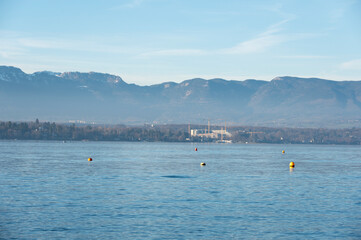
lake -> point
(49, 190)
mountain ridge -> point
(105, 98)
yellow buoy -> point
(203, 164)
(283, 152)
(292, 164)
(90, 159)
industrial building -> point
(219, 134)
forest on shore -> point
(173, 133)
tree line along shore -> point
(174, 133)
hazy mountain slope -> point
(307, 100)
(105, 98)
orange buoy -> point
(283, 151)
(292, 164)
(90, 159)
(196, 149)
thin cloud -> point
(352, 65)
(174, 52)
(134, 3)
(255, 45)
(43, 43)
(341, 11)
(305, 57)
(259, 44)
(272, 37)
(262, 42)
(277, 9)
(130, 4)
(275, 28)
(17, 45)
(9, 51)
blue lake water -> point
(49, 190)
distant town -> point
(37, 130)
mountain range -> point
(104, 98)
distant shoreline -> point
(193, 143)
(176, 133)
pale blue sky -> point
(152, 41)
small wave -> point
(176, 176)
(55, 229)
(60, 229)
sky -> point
(153, 41)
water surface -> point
(48, 190)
